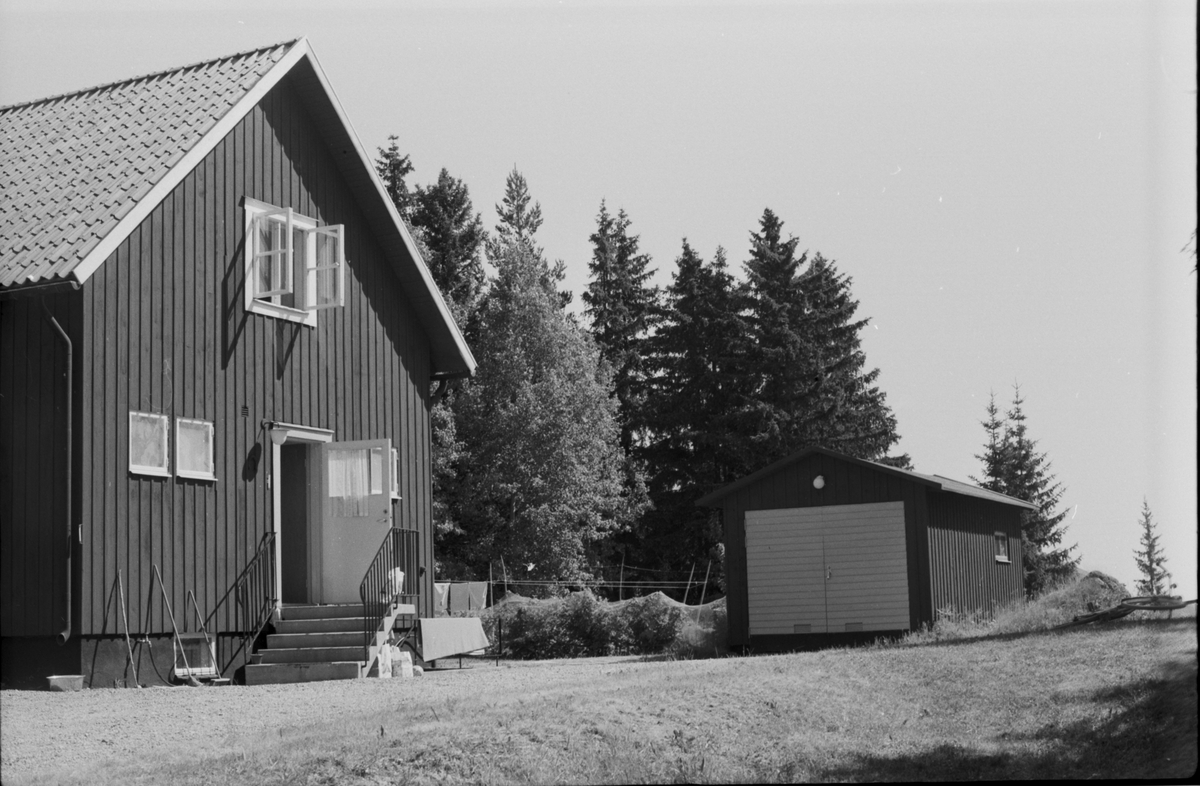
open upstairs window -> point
(294, 267)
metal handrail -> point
(383, 587)
(253, 593)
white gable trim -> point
(190, 160)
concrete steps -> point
(313, 643)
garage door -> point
(831, 569)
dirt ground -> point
(42, 732)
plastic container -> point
(402, 665)
(65, 682)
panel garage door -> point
(828, 569)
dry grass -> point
(1115, 701)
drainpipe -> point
(65, 633)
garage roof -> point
(936, 482)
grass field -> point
(1116, 700)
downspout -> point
(65, 633)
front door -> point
(356, 513)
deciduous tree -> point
(540, 480)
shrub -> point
(581, 625)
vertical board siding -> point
(965, 576)
(846, 483)
(166, 332)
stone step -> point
(348, 638)
(334, 611)
(331, 625)
(280, 673)
(311, 654)
(328, 611)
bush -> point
(581, 625)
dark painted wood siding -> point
(167, 333)
(33, 462)
(845, 484)
(965, 575)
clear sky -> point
(1010, 184)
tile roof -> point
(72, 166)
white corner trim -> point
(381, 190)
(185, 165)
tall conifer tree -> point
(1014, 466)
(622, 305)
(696, 385)
(1151, 561)
(810, 386)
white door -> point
(833, 569)
(356, 514)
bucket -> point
(402, 665)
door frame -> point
(282, 434)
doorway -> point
(294, 523)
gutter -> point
(65, 633)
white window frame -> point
(302, 286)
(189, 473)
(165, 422)
(999, 538)
(395, 474)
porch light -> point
(819, 482)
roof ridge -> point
(151, 75)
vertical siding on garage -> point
(830, 568)
(167, 333)
(965, 576)
(845, 483)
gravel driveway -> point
(42, 732)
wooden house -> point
(822, 548)
(219, 347)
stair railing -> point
(391, 579)
(253, 597)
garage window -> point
(1002, 548)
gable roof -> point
(79, 172)
(935, 482)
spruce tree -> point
(621, 305)
(1013, 466)
(1151, 561)
(519, 222)
(393, 168)
(809, 383)
(695, 386)
(453, 236)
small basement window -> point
(294, 267)
(148, 444)
(194, 449)
(1002, 548)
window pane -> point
(147, 440)
(268, 242)
(349, 480)
(325, 276)
(376, 470)
(194, 448)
